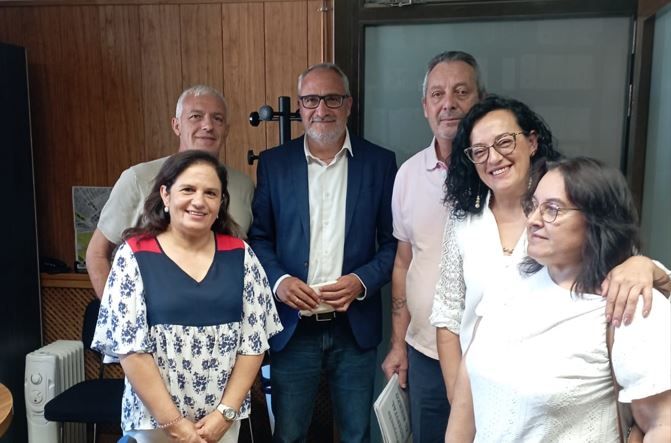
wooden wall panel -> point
(82, 102)
(104, 79)
(244, 80)
(286, 57)
(160, 38)
(78, 131)
(122, 90)
(314, 31)
(201, 45)
(53, 207)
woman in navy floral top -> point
(187, 309)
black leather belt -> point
(321, 317)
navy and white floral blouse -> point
(194, 330)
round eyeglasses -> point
(504, 144)
(549, 211)
(332, 101)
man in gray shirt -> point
(201, 122)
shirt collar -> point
(431, 161)
(346, 146)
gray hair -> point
(455, 56)
(326, 66)
(196, 91)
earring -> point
(529, 184)
(165, 209)
(477, 201)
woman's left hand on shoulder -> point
(213, 426)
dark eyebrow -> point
(556, 201)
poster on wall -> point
(87, 203)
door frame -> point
(640, 101)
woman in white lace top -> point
(539, 365)
(498, 154)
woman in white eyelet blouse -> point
(538, 366)
(498, 154)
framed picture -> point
(87, 202)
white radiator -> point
(51, 370)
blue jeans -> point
(429, 408)
(295, 373)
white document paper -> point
(393, 413)
(323, 307)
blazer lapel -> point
(354, 175)
(300, 190)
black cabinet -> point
(20, 328)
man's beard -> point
(328, 136)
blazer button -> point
(305, 264)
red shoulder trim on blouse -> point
(228, 243)
(143, 244)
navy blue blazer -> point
(280, 232)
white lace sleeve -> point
(449, 298)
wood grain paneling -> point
(201, 45)
(314, 15)
(53, 207)
(77, 126)
(160, 37)
(122, 90)
(286, 57)
(127, 2)
(84, 124)
(105, 76)
(244, 80)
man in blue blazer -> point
(323, 232)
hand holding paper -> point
(393, 413)
(340, 294)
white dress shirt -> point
(327, 186)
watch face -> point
(229, 413)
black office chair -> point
(91, 401)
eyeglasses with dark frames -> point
(549, 210)
(332, 101)
(504, 144)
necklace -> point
(507, 251)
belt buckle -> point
(325, 316)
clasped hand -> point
(297, 294)
(212, 427)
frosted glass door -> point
(573, 72)
(656, 214)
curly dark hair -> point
(463, 184)
(155, 221)
(603, 197)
